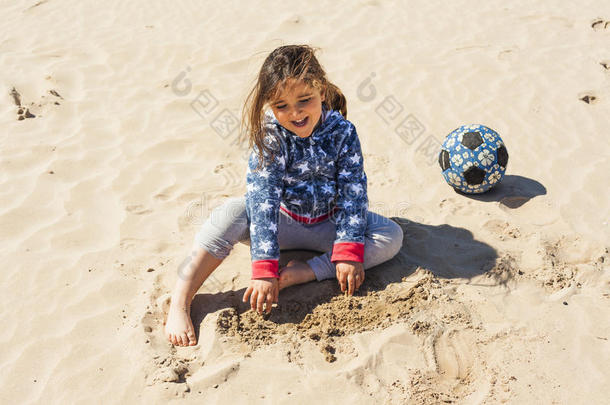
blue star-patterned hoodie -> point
(311, 179)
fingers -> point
(350, 277)
(259, 303)
(350, 284)
(272, 294)
(342, 281)
(359, 279)
(253, 299)
(247, 294)
(269, 302)
(262, 294)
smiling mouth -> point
(300, 123)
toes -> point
(192, 338)
(184, 340)
(181, 339)
(177, 340)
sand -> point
(119, 139)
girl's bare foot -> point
(179, 327)
(295, 272)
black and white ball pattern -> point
(473, 158)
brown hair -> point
(284, 63)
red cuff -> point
(352, 251)
(265, 269)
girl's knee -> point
(386, 233)
(226, 225)
(395, 235)
(384, 243)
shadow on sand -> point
(447, 251)
(512, 192)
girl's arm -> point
(263, 196)
(352, 201)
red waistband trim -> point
(307, 220)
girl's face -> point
(298, 107)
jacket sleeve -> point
(263, 196)
(352, 201)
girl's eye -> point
(304, 101)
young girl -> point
(306, 189)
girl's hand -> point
(262, 291)
(350, 274)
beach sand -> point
(120, 138)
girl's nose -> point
(294, 113)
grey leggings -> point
(229, 224)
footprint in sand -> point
(149, 322)
(24, 112)
(451, 360)
(452, 355)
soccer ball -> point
(473, 158)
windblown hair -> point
(285, 63)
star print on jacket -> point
(311, 179)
